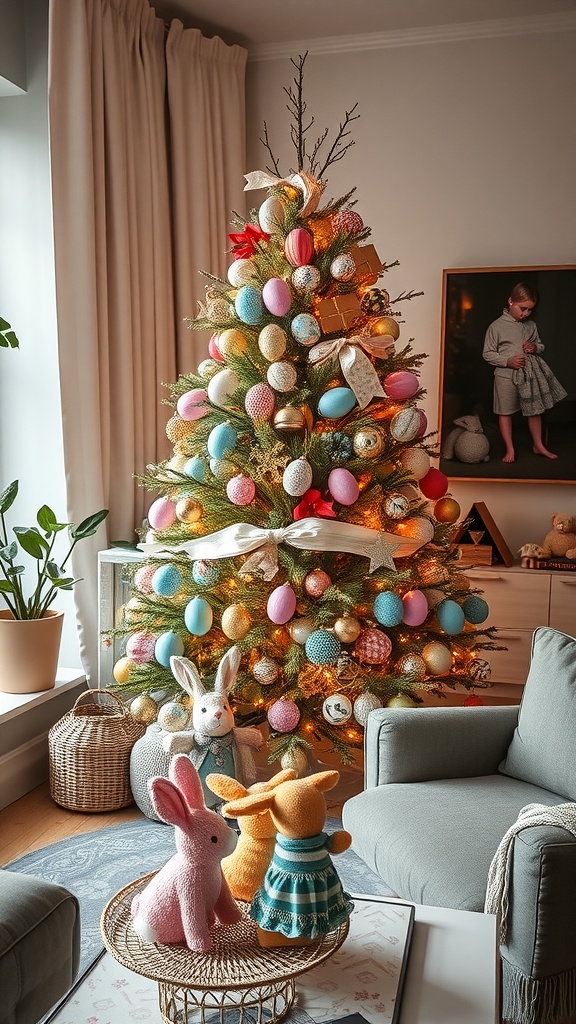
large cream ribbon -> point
(310, 188)
(308, 534)
(355, 365)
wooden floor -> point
(35, 821)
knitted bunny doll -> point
(301, 896)
(244, 869)
(183, 899)
(214, 743)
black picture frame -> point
(472, 298)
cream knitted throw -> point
(561, 815)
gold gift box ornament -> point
(340, 312)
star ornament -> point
(244, 242)
(381, 553)
(313, 504)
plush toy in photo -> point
(213, 741)
(244, 869)
(467, 442)
(301, 896)
(184, 898)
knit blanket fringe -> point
(560, 815)
(537, 1001)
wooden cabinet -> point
(520, 600)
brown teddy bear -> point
(561, 540)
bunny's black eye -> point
(203, 711)
(213, 839)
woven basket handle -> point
(100, 693)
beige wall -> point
(464, 156)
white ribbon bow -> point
(310, 188)
(356, 367)
(308, 534)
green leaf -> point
(6, 587)
(88, 527)
(66, 583)
(31, 541)
(47, 520)
(8, 554)
(9, 340)
(8, 496)
(4, 325)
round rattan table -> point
(236, 982)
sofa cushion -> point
(542, 748)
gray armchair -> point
(444, 785)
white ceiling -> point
(258, 23)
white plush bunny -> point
(214, 743)
(183, 899)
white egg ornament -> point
(272, 342)
(343, 267)
(337, 709)
(222, 385)
(306, 279)
(297, 478)
(305, 329)
(276, 296)
(271, 215)
(343, 486)
(281, 604)
(241, 272)
(282, 376)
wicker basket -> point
(89, 752)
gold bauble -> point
(178, 429)
(122, 670)
(437, 658)
(231, 342)
(412, 666)
(385, 325)
(188, 510)
(144, 708)
(289, 420)
(295, 759)
(431, 572)
(368, 443)
(236, 621)
(308, 417)
(447, 509)
(400, 701)
(347, 629)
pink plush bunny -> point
(184, 898)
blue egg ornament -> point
(222, 440)
(450, 616)
(322, 647)
(336, 403)
(305, 329)
(198, 616)
(475, 609)
(196, 468)
(167, 580)
(167, 645)
(248, 304)
(388, 608)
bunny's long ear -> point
(183, 774)
(225, 786)
(227, 670)
(324, 780)
(168, 802)
(251, 804)
(187, 675)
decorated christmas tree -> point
(300, 517)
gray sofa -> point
(443, 786)
(39, 946)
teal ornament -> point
(450, 616)
(198, 616)
(305, 329)
(388, 608)
(222, 440)
(322, 647)
(205, 574)
(196, 467)
(475, 609)
(166, 581)
(336, 403)
(167, 645)
(339, 445)
(248, 304)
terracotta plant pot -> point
(29, 650)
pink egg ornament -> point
(281, 604)
(259, 402)
(414, 608)
(140, 647)
(161, 514)
(191, 405)
(343, 486)
(401, 384)
(213, 350)
(277, 296)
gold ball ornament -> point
(272, 342)
(294, 759)
(437, 658)
(368, 443)
(122, 670)
(430, 572)
(289, 420)
(385, 325)
(178, 429)
(447, 509)
(415, 461)
(232, 342)
(412, 666)
(236, 621)
(188, 510)
(400, 701)
(144, 708)
(347, 629)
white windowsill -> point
(13, 704)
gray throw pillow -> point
(543, 747)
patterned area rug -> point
(96, 865)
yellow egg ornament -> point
(236, 621)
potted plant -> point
(28, 621)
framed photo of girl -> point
(507, 403)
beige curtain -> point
(147, 154)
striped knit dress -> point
(301, 893)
